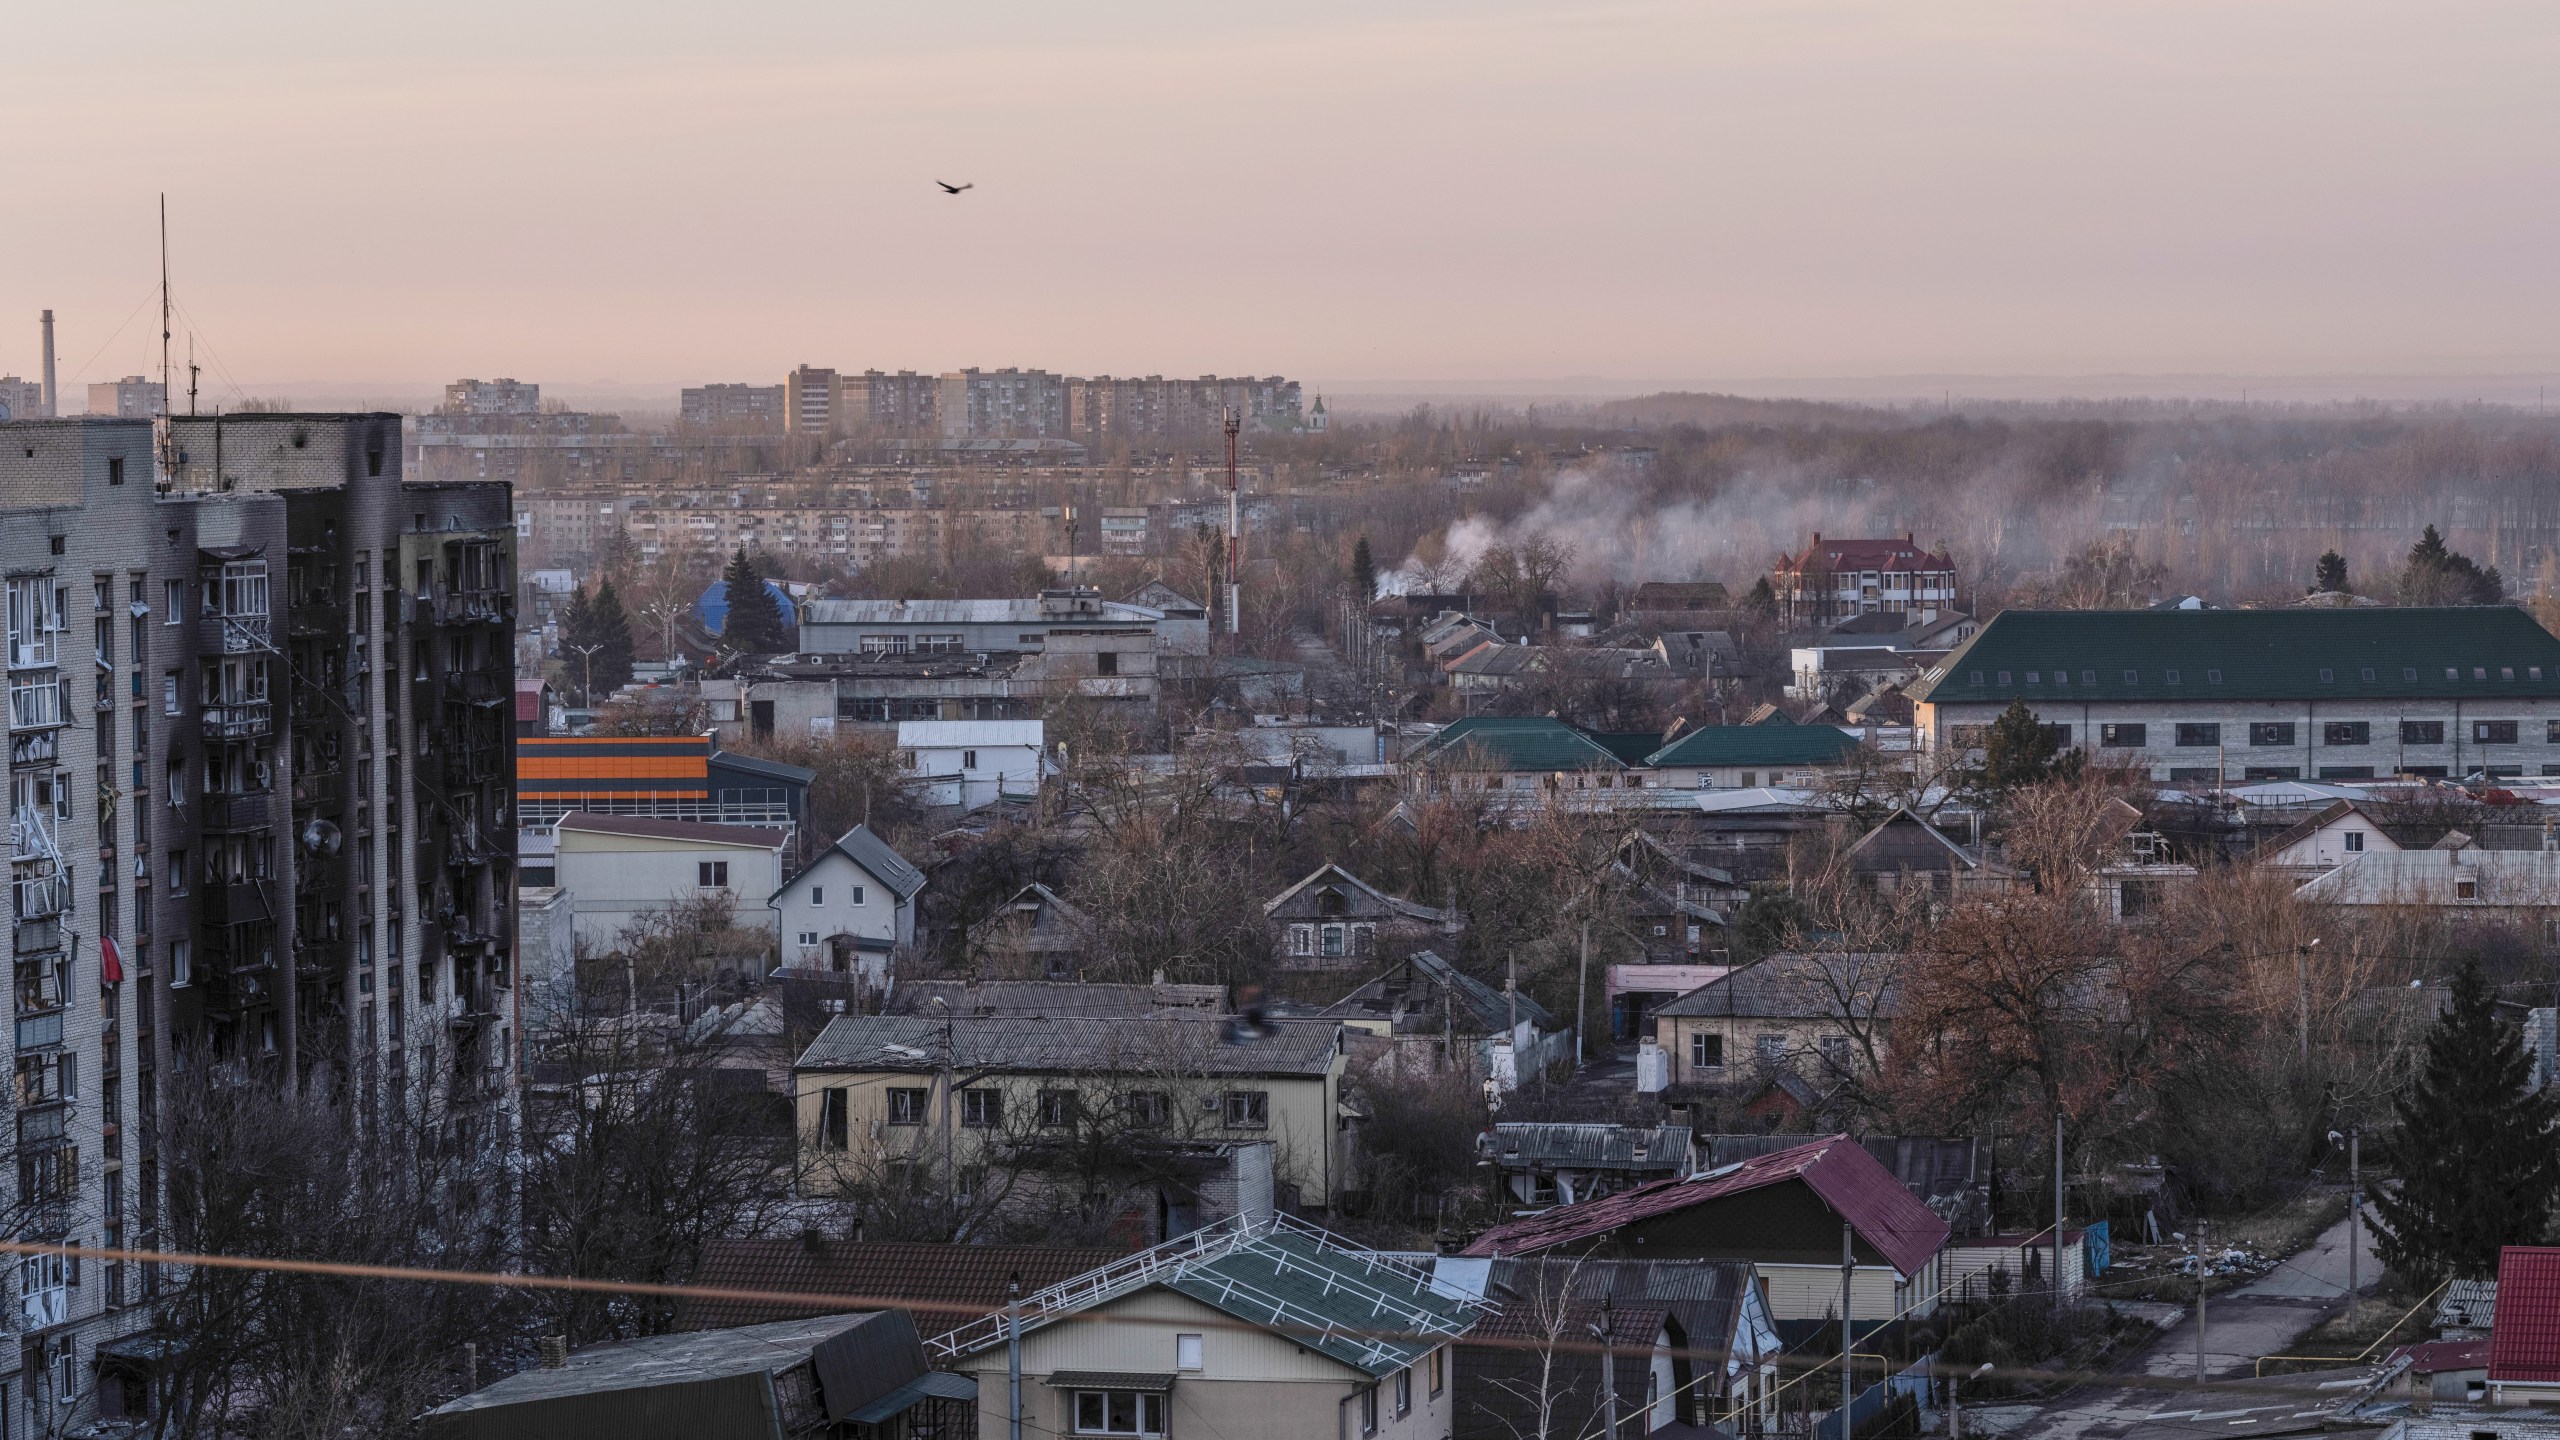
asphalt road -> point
(2264, 1317)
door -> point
(760, 719)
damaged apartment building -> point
(260, 829)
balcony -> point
(315, 958)
(237, 719)
(234, 811)
(29, 938)
(35, 704)
(36, 747)
(234, 635)
(466, 607)
(315, 620)
(240, 902)
(323, 788)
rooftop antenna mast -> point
(1235, 535)
(168, 450)
(191, 374)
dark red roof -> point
(944, 1285)
(2524, 1339)
(1838, 555)
(2434, 1356)
(1836, 1168)
(529, 700)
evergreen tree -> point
(2437, 574)
(1762, 598)
(613, 632)
(2478, 1168)
(2330, 575)
(577, 629)
(2018, 750)
(1364, 571)
(754, 626)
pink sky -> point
(1352, 193)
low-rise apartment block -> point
(2225, 696)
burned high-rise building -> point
(262, 829)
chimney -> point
(52, 400)
(1817, 537)
(555, 1352)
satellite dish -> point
(321, 838)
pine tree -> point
(2018, 750)
(613, 632)
(2330, 575)
(578, 628)
(754, 626)
(1364, 572)
(2437, 574)
(2477, 1164)
(1762, 598)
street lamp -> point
(587, 689)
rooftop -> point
(925, 1278)
(2206, 656)
(1839, 1172)
(2524, 1338)
(701, 832)
(1518, 743)
(1792, 985)
(1068, 1045)
(1714, 745)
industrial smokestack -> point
(52, 399)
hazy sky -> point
(646, 191)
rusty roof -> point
(1836, 1168)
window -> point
(1773, 1049)
(2493, 732)
(1334, 937)
(809, 937)
(1248, 1109)
(817, 897)
(173, 601)
(181, 964)
(2122, 737)
(1057, 1109)
(1835, 1053)
(168, 692)
(981, 1109)
(1106, 662)
(857, 896)
(2354, 841)
(2422, 732)
(906, 1106)
(2004, 677)
(835, 1125)
(2551, 732)
(177, 872)
(1302, 939)
(2346, 732)
(2204, 736)
(1186, 1352)
(1149, 1109)
(2368, 674)
(1369, 1410)
(968, 759)
(1404, 1392)
(1706, 1052)
(2328, 676)
(2169, 675)
(2060, 735)
(1977, 677)
(115, 469)
(711, 874)
(1438, 1371)
(1131, 1412)
(2271, 732)
(2466, 889)
(2133, 677)
(2213, 677)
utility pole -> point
(587, 690)
(2355, 1217)
(1608, 1371)
(1848, 1365)
(2199, 1303)
(1013, 1354)
(1235, 536)
(1582, 993)
(2057, 1210)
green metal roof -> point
(1529, 742)
(1628, 745)
(1348, 1305)
(1712, 745)
(2470, 652)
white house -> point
(618, 868)
(2326, 841)
(850, 910)
(972, 763)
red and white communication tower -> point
(1235, 532)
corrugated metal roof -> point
(1609, 1147)
(943, 1285)
(922, 734)
(2471, 652)
(1069, 1045)
(1795, 986)
(1711, 745)
(2433, 877)
(1836, 1169)
(2524, 1340)
(1373, 1312)
(1518, 743)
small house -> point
(1334, 918)
(850, 909)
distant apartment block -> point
(21, 399)
(131, 398)
(902, 404)
(1102, 409)
(492, 397)
(734, 407)
(811, 397)
(1005, 404)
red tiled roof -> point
(945, 1285)
(2524, 1339)
(1836, 1169)
(1839, 555)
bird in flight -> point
(950, 189)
